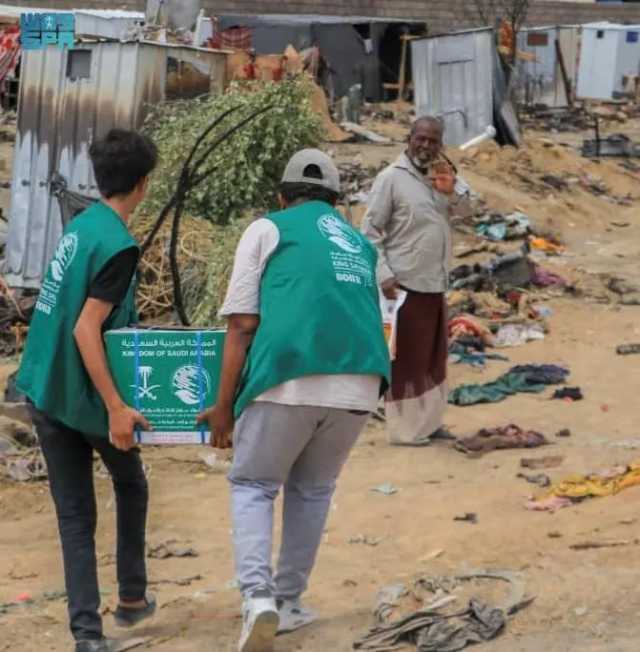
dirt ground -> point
(585, 601)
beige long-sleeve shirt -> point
(408, 222)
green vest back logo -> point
(190, 382)
(64, 255)
(337, 231)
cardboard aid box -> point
(170, 376)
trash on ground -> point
(183, 581)
(628, 349)
(544, 278)
(565, 432)
(423, 615)
(576, 488)
(548, 462)
(366, 134)
(23, 465)
(170, 549)
(546, 246)
(507, 227)
(596, 545)
(490, 439)
(518, 334)
(541, 479)
(366, 540)
(469, 517)
(568, 393)
(215, 463)
(387, 489)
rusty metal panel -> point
(67, 99)
(58, 116)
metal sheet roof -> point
(610, 26)
(306, 19)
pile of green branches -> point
(248, 166)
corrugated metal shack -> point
(453, 78)
(608, 53)
(68, 98)
(358, 49)
(540, 81)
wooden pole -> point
(565, 76)
(402, 81)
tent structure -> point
(358, 50)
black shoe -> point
(95, 645)
(131, 617)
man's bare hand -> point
(221, 422)
(390, 289)
(122, 424)
(444, 183)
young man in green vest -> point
(304, 362)
(89, 288)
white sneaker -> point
(293, 616)
(259, 623)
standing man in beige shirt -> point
(408, 222)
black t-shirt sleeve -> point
(112, 282)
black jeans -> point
(69, 457)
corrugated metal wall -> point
(58, 117)
(540, 81)
(453, 78)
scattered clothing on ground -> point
(466, 325)
(520, 379)
(544, 278)
(518, 334)
(504, 227)
(571, 393)
(430, 625)
(462, 354)
(490, 439)
(595, 485)
(546, 246)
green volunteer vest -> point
(319, 306)
(52, 373)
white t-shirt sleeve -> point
(256, 246)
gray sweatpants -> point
(304, 449)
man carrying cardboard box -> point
(90, 288)
(303, 365)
